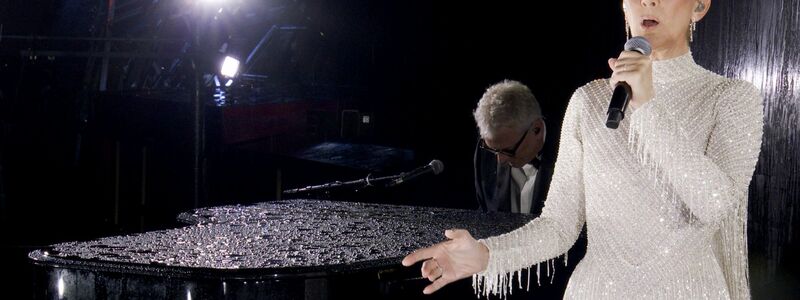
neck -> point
(669, 52)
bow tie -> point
(536, 163)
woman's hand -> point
(637, 70)
(448, 261)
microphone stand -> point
(385, 181)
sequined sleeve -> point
(711, 182)
(556, 229)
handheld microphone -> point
(622, 91)
(436, 166)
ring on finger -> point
(441, 270)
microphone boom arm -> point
(435, 167)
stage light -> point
(229, 67)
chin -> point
(651, 37)
(657, 41)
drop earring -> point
(693, 25)
(625, 16)
(627, 30)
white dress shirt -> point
(524, 178)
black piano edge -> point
(395, 271)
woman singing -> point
(663, 197)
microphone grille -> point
(437, 166)
(640, 44)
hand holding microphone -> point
(632, 79)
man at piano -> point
(514, 163)
(513, 160)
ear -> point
(700, 10)
(537, 127)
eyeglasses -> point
(510, 152)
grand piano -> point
(289, 249)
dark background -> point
(417, 68)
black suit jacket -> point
(493, 182)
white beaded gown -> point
(663, 197)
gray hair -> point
(506, 104)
